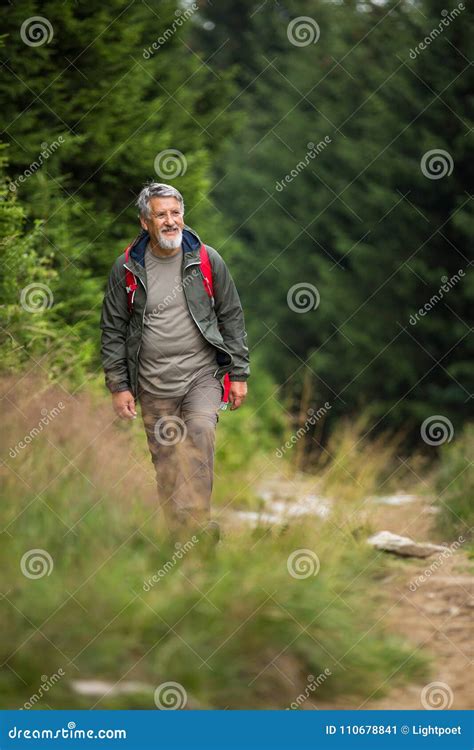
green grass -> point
(454, 485)
(236, 630)
(246, 438)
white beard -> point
(170, 243)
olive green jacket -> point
(220, 319)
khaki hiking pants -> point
(181, 438)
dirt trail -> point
(430, 603)
(433, 608)
(436, 617)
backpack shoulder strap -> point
(206, 269)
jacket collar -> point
(190, 246)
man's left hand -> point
(237, 394)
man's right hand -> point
(124, 405)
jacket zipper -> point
(143, 316)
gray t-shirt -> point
(173, 351)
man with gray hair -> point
(173, 327)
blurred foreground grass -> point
(241, 630)
(454, 483)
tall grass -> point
(237, 630)
(245, 439)
(454, 485)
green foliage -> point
(24, 333)
(41, 323)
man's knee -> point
(201, 433)
(204, 423)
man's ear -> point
(143, 223)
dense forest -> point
(326, 160)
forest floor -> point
(433, 613)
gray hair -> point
(157, 190)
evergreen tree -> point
(119, 85)
(360, 221)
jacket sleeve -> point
(230, 316)
(114, 325)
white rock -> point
(401, 498)
(279, 512)
(403, 545)
(101, 687)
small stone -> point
(102, 687)
(401, 498)
(403, 545)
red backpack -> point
(131, 285)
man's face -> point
(165, 222)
